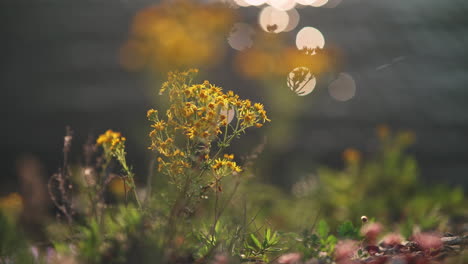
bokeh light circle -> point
(305, 2)
(241, 3)
(240, 37)
(293, 20)
(283, 5)
(255, 2)
(273, 20)
(228, 113)
(318, 3)
(301, 81)
(309, 37)
(343, 88)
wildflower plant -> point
(113, 144)
(199, 125)
(195, 219)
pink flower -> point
(289, 258)
(345, 250)
(392, 239)
(371, 231)
(220, 259)
(428, 241)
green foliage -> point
(206, 205)
(13, 245)
(385, 186)
(260, 249)
(318, 244)
(347, 230)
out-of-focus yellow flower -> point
(229, 156)
(177, 34)
(407, 137)
(383, 131)
(11, 203)
(224, 166)
(117, 187)
(110, 138)
(271, 56)
(351, 155)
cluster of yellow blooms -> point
(12, 203)
(198, 116)
(177, 34)
(113, 144)
(110, 139)
(272, 56)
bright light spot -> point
(240, 37)
(309, 37)
(333, 3)
(282, 4)
(301, 81)
(255, 2)
(228, 113)
(273, 20)
(319, 3)
(241, 3)
(305, 2)
(293, 20)
(343, 88)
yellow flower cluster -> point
(272, 56)
(199, 115)
(177, 34)
(225, 165)
(352, 155)
(110, 139)
(12, 203)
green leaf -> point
(255, 241)
(323, 229)
(274, 239)
(267, 234)
(347, 230)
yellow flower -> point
(151, 112)
(227, 156)
(351, 155)
(110, 139)
(258, 106)
(117, 186)
(383, 131)
(159, 126)
(12, 203)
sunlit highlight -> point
(284, 5)
(293, 20)
(343, 88)
(305, 2)
(273, 20)
(240, 37)
(255, 2)
(301, 81)
(318, 3)
(310, 38)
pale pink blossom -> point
(428, 241)
(371, 231)
(220, 259)
(345, 250)
(290, 258)
(392, 239)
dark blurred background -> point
(409, 59)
